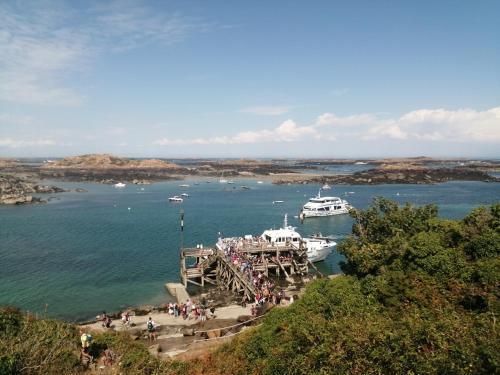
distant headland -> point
(18, 178)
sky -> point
(312, 79)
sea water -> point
(109, 248)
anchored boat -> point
(324, 206)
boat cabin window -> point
(295, 239)
(268, 238)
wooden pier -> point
(218, 267)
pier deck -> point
(226, 268)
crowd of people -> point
(265, 288)
(190, 310)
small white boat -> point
(230, 182)
(175, 199)
(361, 163)
(119, 185)
(274, 202)
(326, 187)
(185, 195)
(183, 185)
(260, 182)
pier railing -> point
(211, 265)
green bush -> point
(419, 296)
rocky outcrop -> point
(15, 190)
(413, 175)
(109, 169)
(7, 162)
(106, 161)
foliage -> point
(36, 346)
(419, 296)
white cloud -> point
(41, 44)
(266, 110)
(386, 129)
(425, 125)
(288, 131)
(354, 120)
(462, 125)
(133, 24)
(23, 143)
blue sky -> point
(250, 79)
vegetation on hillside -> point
(420, 295)
(44, 346)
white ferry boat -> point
(317, 249)
(324, 206)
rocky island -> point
(109, 169)
(398, 173)
(16, 190)
(104, 168)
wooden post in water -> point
(183, 258)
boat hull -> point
(325, 213)
(319, 255)
(318, 249)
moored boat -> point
(317, 248)
(324, 206)
(175, 199)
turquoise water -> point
(86, 252)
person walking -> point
(151, 328)
(86, 340)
